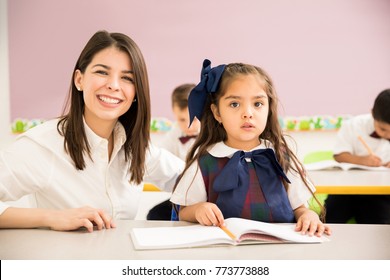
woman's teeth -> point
(109, 100)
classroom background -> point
(326, 56)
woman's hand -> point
(72, 219)
(309, 222)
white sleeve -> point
(191, 188)
(25, 168)
(162, 168)
(344, 139)
(298, 193)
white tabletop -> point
(349, 241)
(351, 182)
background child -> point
(181, 137)
(236, 166)
(374, 128)
(178, 141)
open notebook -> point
(332, 164)
(239, 231)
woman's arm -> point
(162, 168)
(70, 219)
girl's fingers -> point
(320, 229)
(220, 218)
(213, 220)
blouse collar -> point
(220, 149)
(95, 140)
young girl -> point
(240, 164)
(87, 167)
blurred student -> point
(178, 140)
(241, 165)
(87, 167)
(374, 129)
(182, 136)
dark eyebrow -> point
(262, 96)
(107, 67)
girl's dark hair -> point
(380, 111)
(136, 121)
(212, 132)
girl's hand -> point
(208, 214)
(72, 219)
(309, 222)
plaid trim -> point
(255, 207)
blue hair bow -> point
(209, 82)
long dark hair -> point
(212, 132)
(136, 119)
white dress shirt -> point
(36, 163)
(191, 188)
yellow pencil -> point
(365, 145)
(228, 232)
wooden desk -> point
(348, 242)
(351, 182)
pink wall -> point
(325, 56)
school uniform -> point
(36, 163)
(201, 183)
(366, 209)
(176, 142)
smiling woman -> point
(108, 89)
(87, 167)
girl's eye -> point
(234, 104)
(258, 104)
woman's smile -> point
(107, 100)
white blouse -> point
(191, 188)
(36, 163)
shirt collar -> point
(375, 135)
(220, 149)
(95, 140)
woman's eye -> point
(127, 78)
(234, 104)
(101, 72)
(258, 104)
